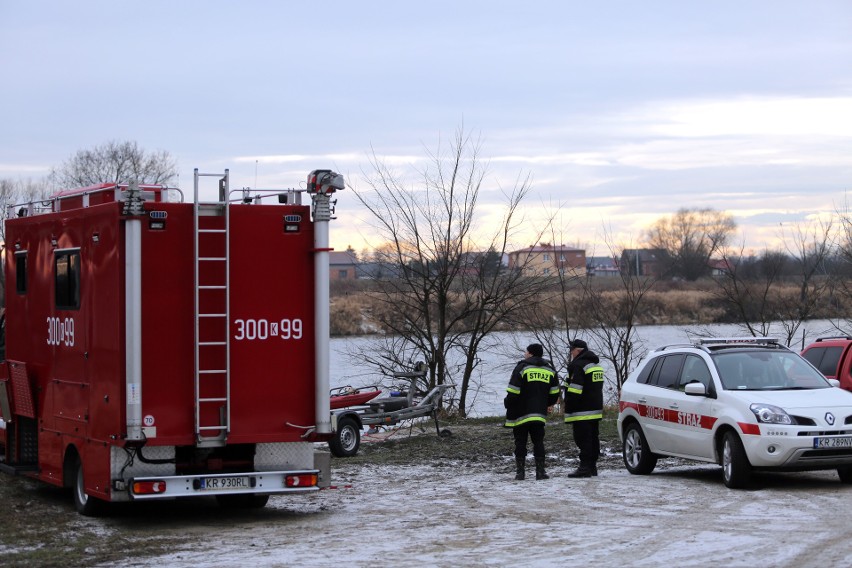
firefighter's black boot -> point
(539, 469)
(519, 469)
(585, 470)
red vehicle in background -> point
(161, 349)
(833, 357)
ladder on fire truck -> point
(212, 315)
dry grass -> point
(679, 307)
(359, 308)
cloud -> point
(23, 169)
(578, 159)
(820, 116)
(342, 158)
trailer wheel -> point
(346, 439)
(85, 505)
(242, 501)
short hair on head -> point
(535, 349)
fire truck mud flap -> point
(256, 482)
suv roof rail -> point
(673, 346)
(833, 338)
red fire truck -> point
(157, 348)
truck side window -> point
(814, 355)
(830, 361)
(825, 359)
(21, 272)
(67, 279)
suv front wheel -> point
(736, 469)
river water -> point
(506, 348)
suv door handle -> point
(673, 406)
(642, 400)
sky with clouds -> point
(621, 112)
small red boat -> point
(341, 397)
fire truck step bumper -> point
(256, 482)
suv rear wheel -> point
(638, 458)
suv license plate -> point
(839, 442)
(226, 483)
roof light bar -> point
(734, 340)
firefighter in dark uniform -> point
(584, 405)
(533, 387)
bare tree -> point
(842, 283)
(691, 237)
(447, 297)
(811, 246)
(611, 316)
(552, 318)
(758, 290)
(115, 162)
(13, 192)
(749, 286)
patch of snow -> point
(453, 515)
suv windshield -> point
(766, 370)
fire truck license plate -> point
(234, 483)
(844, 442)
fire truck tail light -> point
(303, 480)
(149, 487)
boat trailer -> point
(352, 409)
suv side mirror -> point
(695, 389)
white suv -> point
(744, 403)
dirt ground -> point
(401, 504)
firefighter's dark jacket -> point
(533, 387)
(584, 388)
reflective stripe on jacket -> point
(533, 387)
(584, 388)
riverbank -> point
(358, 307)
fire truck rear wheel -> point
(85, 505)
(346, 439)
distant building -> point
(378, 270)
(720, 267)
(549, 260)
(487, 263)
(342, 265)
(602, 266)
(645, 262)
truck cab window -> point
(67, 279)
(21, 272)
(826, 359)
